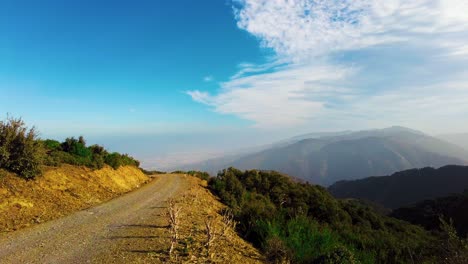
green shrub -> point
(453, 248)
(276, 251)
(20, 151)
(51, 145)
(338, 255)
(115, 160)
(99, 154)
(152, 172)
(199, 174)
(76, 147)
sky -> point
(178, 81)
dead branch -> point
(173, 212)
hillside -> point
(427, 213)
(43, 179)
(456, 139)
(294, 222)
(60, 191)
(405, 187)
(328, 158)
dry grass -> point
(173, 212)
(60, 191)
(206, 230)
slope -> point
(405, 187)
(60, 191)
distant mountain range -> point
(324, 158)
(456, 139)
(406, 187)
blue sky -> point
(109, 64)
(176, 81)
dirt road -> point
(127, 229)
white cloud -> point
(208, 78)
(345, 62)
(303, 28)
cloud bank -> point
(345, 64)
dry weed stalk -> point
(194, 199)
(228, 222)
(173, 212)
(211, 235)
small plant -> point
(211, 236)
(454, 249)
(339, 254)
(173, 212)
(228, 223)
(276, 251)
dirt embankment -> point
(60, 191)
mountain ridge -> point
(406, 187)
(346, 155)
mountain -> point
(327, 158)
(406, 187)
(460, 140)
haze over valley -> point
(325, 158)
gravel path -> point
(127, 229)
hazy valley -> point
(327, 158)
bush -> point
(199, 174)
(453, 248)
(276, 251)
(115, 160)
(51, 145)
(20, 152)
(76, 147)
(152, 172)
(338, 255)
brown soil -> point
(60, 191)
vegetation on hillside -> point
(152, 172)
(74, 151)
(199, 174)
(303, 223)
(23, 153)
(405, 188)
(428, 213)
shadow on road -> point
(136, 237)
(142, 226)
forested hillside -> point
(405, 187)
(303, 223)
(428, 213)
